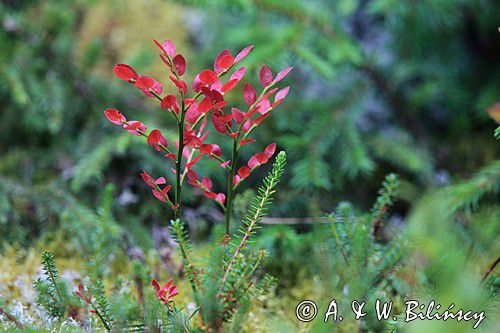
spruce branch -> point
(258, 208)
(101, 306)
(332, 219)
(384, 200)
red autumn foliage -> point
(191, 114)
(165, 293)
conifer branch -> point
(259, 207)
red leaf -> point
(133, 127)
(223, 61)
(282, 74)
(260, 119)
(185, 152)
(160, 181)
(211, 148)
(265, 76)
(208, 77)
(239, 74)
(166, 188)
(226, 118)
(207, 183)
(258, 159)
(249, 94)
(79, 294)
(169, 48)
(205, 105)
(226, 61)
(270, 92)
(217, 68)
(247, 125)
(156, 285)
(229, 85)
(125, 72)
(243, 53)
(238, 115)
(155, 139)
(159, 45)
(179, 64)
(236, 180)
(192, 176)
(193, 162)
(148, 179)
(168, 101)
(114, 116)
(192, 113)
(244, 142)
(159, 196)
(244, 172)
(216, 96)
(210, 195)
(181, 85)
(219, 125)
(270, 150)
(251, 112)
(145, 82)
(282, 94)
(220, 198)
(220, 105)
(197, 84)
(191, 140)
(263, 106)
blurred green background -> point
(379, 86)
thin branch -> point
(490, 269)
(11, 318)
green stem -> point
(234, 156)
(230, 187)
(178, 188)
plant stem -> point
(230, 187)
(490, 269)
(178, 188)
(251, 224)
(10, 317)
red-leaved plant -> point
(191, 107)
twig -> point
(490, 269)
(11, 318)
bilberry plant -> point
(191, 113)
